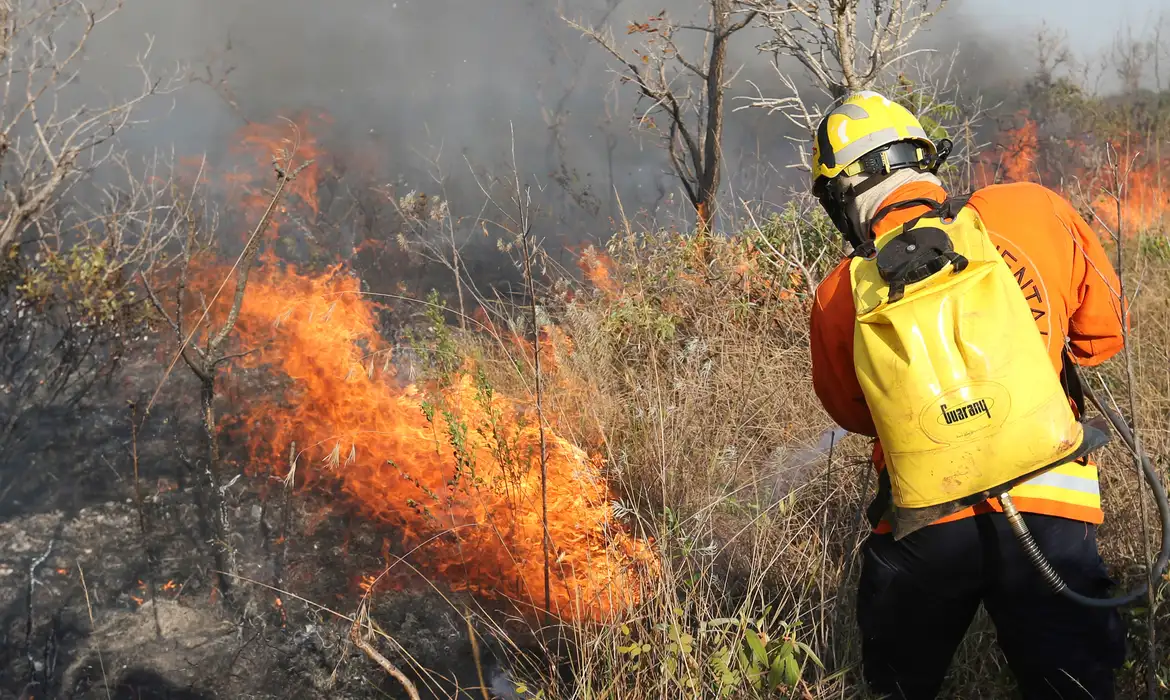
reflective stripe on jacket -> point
(1069, 284)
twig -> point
(525, 246)
(1120, 178)
(142, 530)
(282, 553)
(93, 627)
(475, 653)
(355, 636)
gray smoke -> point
(403, 79)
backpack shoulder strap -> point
(951, 208)
(1070, 379)
(947, 209)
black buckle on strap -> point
(915, 255)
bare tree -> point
(1131, 57)
(689, 94)
(844, 45)
(69, 248)
(48, 141)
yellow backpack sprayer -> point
(959, 382)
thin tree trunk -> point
(456, 264)
(143, 529)
(710, 173)
(221, 530)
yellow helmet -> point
(864, 122)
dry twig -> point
(355, 635)
(92, 626)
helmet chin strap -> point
(840, 203)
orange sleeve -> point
(1095, 313)
(831, 343)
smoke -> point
(404, 78)
(485, 84)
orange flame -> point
(463, 487)
(1021, 150)
(455, 474)
(597, 267)
(1145, 202)
(266, 142)
(139, 600)
(251, 186)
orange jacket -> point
(1058, 260)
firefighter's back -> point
(1051, 251)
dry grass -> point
(695, 385)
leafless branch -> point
(688, 93)
(48, 140)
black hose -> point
(1016, 520)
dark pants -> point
(918, 596)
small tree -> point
(68, 313)
(70, 310)
(688, 94)
(205, 359)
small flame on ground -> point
(139, 599)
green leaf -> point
(786, 650)
(808, 653)
(776, 672)
(791, 672)
(757, 647)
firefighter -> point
(918, 595)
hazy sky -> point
(1090, 24)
